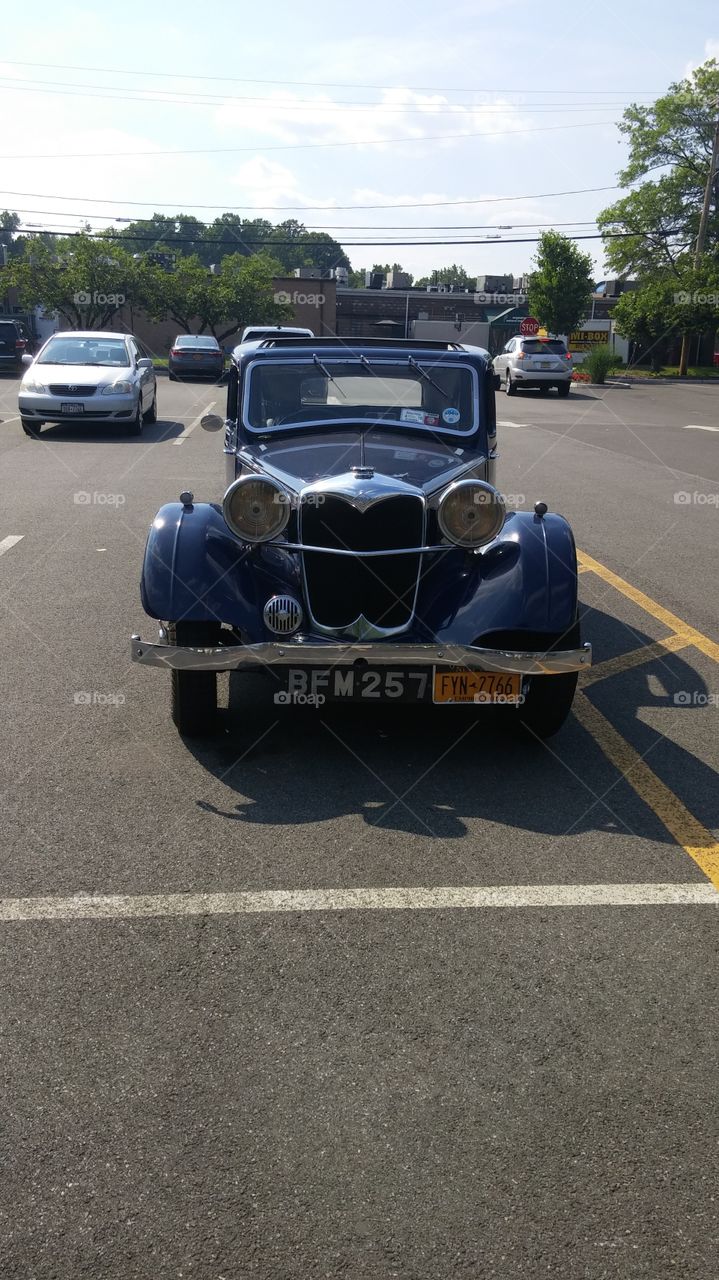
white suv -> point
(534, 362)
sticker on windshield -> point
(450, 415)
(419, 416)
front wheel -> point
(151, 415)
(134, 428)
(549, 699)
(194, 693)
(31, 427)
(563, 388)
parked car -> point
(255, 332)
(535, 362)
(362, 551)
(100, 379)
(195, 354)
(14, 343)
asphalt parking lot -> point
(374, 994)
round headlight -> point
(256, 509)
(471, 513)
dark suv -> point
(14, 344)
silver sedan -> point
(94, 378)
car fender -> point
(195, 569)
(526, 580)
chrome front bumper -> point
(315, 653)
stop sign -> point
(528, 327)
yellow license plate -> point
(477, 686)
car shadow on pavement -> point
(152, 433)
(435, 770)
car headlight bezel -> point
(478, 496)
(277, 500)
(121, 387)
(34, 388)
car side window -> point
(134, 349)
(510, 346)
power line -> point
(342, 208)
(312, 84)
(308, 244)
(186, 97)
(294, 146)
(314, 227)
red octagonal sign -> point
(528, 327)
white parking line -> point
(118, 906)
(7, 543)
(694, 426)
(5, 421)
(181, 439)
(517, 425)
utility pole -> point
(702, 233)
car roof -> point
(101, 334)
(279, 346)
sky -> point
(324, 112)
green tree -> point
(560, 289)
(243, 293)
(84, 279)
(449, 275)
(670, 145)
(663, 306)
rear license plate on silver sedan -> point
(72, 407)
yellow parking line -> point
(635, 658)
(681, 824)
(670, 620)
(582, 568)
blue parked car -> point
(195, 355)
(362, 552)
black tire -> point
(134, 428)
(194, 693)
(510, 386)
(549, 698)
(151, 415)
(31, 428)
(171, 376)
(563, 388)
(544, 388)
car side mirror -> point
(212, 422)
(144, 363)
(27, 359)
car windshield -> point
(539, 346)
(416, 391)
(101, 351)
(200, 340)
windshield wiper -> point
(423, 374)
(328, 375)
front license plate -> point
(72, 407)
(477, 686)
(316, 685)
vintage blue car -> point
(361, 551)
